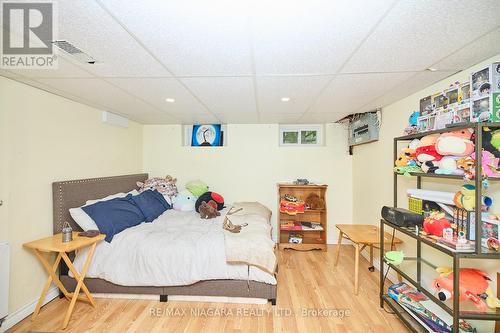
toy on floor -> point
(313, 201)
(166, 186)
(210, 196)
(465, 198)
(197, 187)
(435, 223)
(184, 201)
(474, 286)
(455, 143)
(208, 210)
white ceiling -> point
(232, 61)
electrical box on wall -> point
(364, 129)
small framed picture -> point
(481, 110)
(206, 136)
(425, 106)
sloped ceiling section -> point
(261, 61)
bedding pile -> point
(180, 248)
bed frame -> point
(74, 193)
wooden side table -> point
(362, 235)
(55, 244)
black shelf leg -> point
(456, 293)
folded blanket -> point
(253, 245)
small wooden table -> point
(55, 244)
(362, 235)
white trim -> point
(18, 315)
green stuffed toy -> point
(197, 187)
(394, 257)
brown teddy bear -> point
(313, 201)
(208, 210)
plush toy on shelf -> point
(467, 164)
(491, 141)
(455, 143)
(490, 164)
(435, 223)
(426, 149)
(412, 127)
(474, 286)
(466, 199)
(448, 166)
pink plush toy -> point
(456, 143)
(490, 164)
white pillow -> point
(84, 220)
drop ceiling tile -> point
(102, 93)
(156, 90)
(87, 26)
(475, 52)
(415, 83)
(206, 37)
(302, 90)
(311, 118)
(239, 118)
(347, 93)
(310, 36)
(199, 118)
(282, 118)
(65, 69)
(224, 94)
(416, 34)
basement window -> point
(301, 135)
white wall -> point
(46, 138)
(372, 174)
(252, 163)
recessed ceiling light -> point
(431, 69)
(170, 100)
(285, 99)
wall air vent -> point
(74, 51)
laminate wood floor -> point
(313, 296)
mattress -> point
(178, 248)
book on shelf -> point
(297, 226)
(418, 305)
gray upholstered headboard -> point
(74, 193)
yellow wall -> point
(253, 162)
(371, 193)
(46, 138)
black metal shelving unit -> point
(415, 278)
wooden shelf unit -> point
(311, 239)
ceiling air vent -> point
(74, 51)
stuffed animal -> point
(474, 286)
(412, 127)
(210, 196)
(165, 186)
(185, 201)
(407, 170)
(467, 164)
(491, 141)
(435, 223)
(197, 187)
(455, 143)
(313, 201)
(448, 166)
(465, 199)
(426, 150)
(490, 164)
(208, 210)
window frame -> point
(299, 128)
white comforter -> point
(178, 248)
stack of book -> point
(453, 244)
(426, 312)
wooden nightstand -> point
(55, 244)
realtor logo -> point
(27, 35)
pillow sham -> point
(151, 203)
(83, 220)
(115, 215)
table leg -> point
(79, 284)
(356, 269)
(339, 243)
(45, 288)
(52, 273)
(76, 275)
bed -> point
(201, 243)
